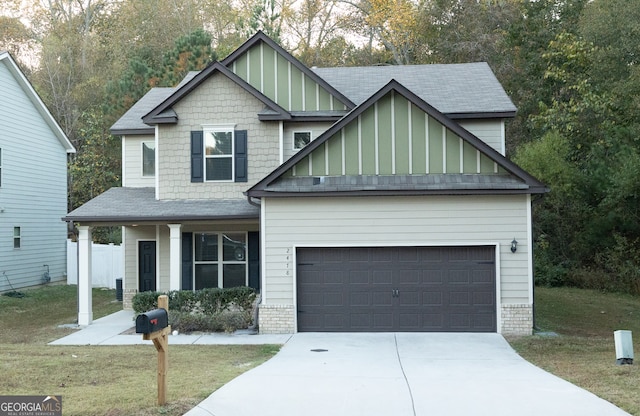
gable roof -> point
(163, 113)
(469, 90)
(30, 92)
(272, 184)
(261, 37)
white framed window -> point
(220, 259)
(219, 154)
(148, 159)
(17, 237)
(301, 139)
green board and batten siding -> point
(394, 137)
(274, 76)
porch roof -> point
(122, 206)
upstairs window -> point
(17, 237)
(301, 139)
(0, 167)
(218, 155)
(148, 159)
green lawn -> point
(584, 350)
(121, 380)
(105, 380)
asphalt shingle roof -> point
(453, 89)
(139, 205)
(450, 88)
(131, 121)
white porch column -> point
(85, 303)
(175, 242)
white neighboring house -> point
(33, 185)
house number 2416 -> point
(288, 272)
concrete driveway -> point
(401, 374)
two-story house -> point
(33, 185)
(353, 199)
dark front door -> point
(147, 266)
(381, 289)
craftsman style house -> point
(33, 185)
(354, 199)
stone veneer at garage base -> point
(517, 319)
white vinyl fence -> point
(106, 264)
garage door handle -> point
(395, 293)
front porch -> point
(170, 245)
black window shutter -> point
(253, 254)
(187, 263)
(197, 157)
(241, 156)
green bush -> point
(206, 310)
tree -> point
(16, 39)
(392, 23)
(528, 37)
(559, 215)
(191, 52)
(265, 15)
(317, 28)
(96, 167)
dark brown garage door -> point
(381, 289)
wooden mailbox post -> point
(160, 338)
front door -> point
(146, 266)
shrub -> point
(206, 310)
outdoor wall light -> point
(514, 245)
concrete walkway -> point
(401, 375)
(109, 331)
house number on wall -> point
(288, 261)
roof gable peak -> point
(371, 109)
(162, 113)
(261, 38)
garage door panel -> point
(432, 276)
(409, 298)
(461, 277)
(459, 299)
(382, 277)
(410, 277)
(484, 321)
(382, 321)
(482, 276)
(432, 298)
(333, 299)
(381, 255)
(432, 321)
(484, 299)
(397, 289)
(357, 277)
(460, 321)
(359, 254)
